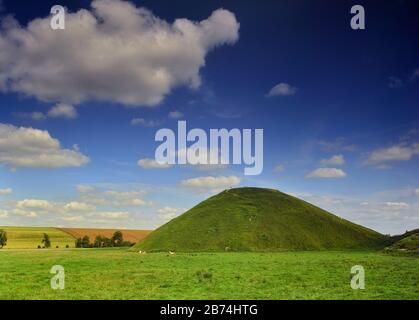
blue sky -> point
(343, 131)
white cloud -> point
(400, 152)
(282, 89)
(168, 213)
(211, 183)
(397, 205)
(78, 206)
(145, 123)
(115, 198)
(37, 116)
(28, 147)
(6, 191)
(327, 173)
(113, 214)
(416, 192)
(25, 213)
(175, 115)
(63, 110)
(84, 188)
(336, 160)
(34, 204)
(336, 145)
(152, 164)
(113, 52)
(73, 218)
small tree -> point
(3, 238)
(117, 238)
(46, 241)
(79, 243)
(99, 242)
(85, 242)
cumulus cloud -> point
(37, 116)
(115, 198)
(6, 191)
(210, 183)
(113, 214)
(36, 204)
(145, 123)
(73, 218)
(78, 206)
(336, 160)
(152, 164)
(336, 145)
(282, 89)
(175, 115)
(397, 205)
(34, 148)
(400, 152)
(82, 188)
(168, 213)
(114, 52)
(63, 110)
(327, 173)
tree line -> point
(117, 240)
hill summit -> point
(256, 219)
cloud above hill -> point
(399, 152)
(114, 52)
(210, 183)
(336, 160)
(327, 173)
(282, 89)
(34, 148)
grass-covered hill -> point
(256, 219)
(405, 244)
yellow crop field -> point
(31, 237)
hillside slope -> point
(256, 219)
(409, 244)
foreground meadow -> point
(120, 274)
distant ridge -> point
(257, 219)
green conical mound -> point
(255, 219)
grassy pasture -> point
(30, 237)
(121, 274)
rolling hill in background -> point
(129, 235)
(256, 219)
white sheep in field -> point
(171, 253)
(141, 252)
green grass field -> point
(30, 237)
(121, 274)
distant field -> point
(121, 274)
(129, 235)
(30, 237)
